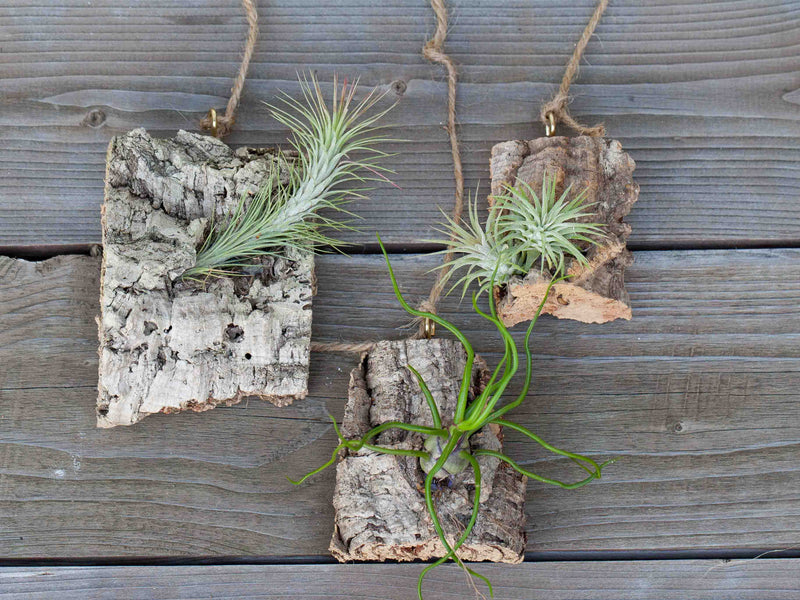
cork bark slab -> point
(595, 293)
(166, 344)
(379, 499)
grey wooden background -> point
(697, 395)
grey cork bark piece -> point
(379, 499)
(169, 345)
(594, 293)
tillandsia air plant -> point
(523, 229)
(446, 448)
(324, 176)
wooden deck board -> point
(697, 395)
(773, 579)
(703, 95)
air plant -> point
(325, 175)
(522, 228)
(446, 448)
(482, 250)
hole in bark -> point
(234, 333)
(149, 327)
(248, 356)
(102, 411)
(241, 286)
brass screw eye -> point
(550, 126)
(212, 114)
(429, 328)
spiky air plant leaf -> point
(546, 228)
(326, 136)
(481, 251)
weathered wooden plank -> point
(775, 579)
(703, 95)
(697, 395)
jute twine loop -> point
(221, 125)
(434, 52)
(557, 107)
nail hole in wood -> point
(95, 118)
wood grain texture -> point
(704, 95)
(697, 395)
(765, 579)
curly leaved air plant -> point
(325, 175)
(446, 448)
(522, 228)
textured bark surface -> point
(166, 344)
(595, 293)
(379, 499)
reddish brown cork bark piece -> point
(594, 293)
(379, 499)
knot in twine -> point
(557, 107)
(224, 123)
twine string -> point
(221, 125)
(557, 106)
(352, 347)
(434, 52)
